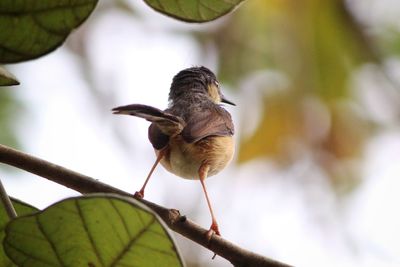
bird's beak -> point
(224, 100)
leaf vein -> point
(27, 255)
(47, 238)
(93, 244)
(165, 252)
(18, 53)
(199, 11)
(46, 29)
(120, 216)
(132, 242)
(178, 3)
(160, 4)
(209, 8)
(140, 217)
(55, 8)
(121, 219)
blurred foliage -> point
(194, 10)
(312, 42)
(9, 110)
(390, 44)
(316, 45)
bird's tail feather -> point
(169, 124)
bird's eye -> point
(216, 83)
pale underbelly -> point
(184, 159)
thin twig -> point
(236, 255)
(5, 199)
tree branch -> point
(236, 255)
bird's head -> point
(197, 80)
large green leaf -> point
(21, 209)
(30, 29)
(194, 10)
(94, 230)
(7, 78)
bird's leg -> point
(140, 193)
(203, 171)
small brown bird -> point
(192, 138)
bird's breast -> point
(184, 159)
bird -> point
(193, 137)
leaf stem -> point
(5, 199)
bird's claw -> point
(213, 230)
(138, 194)
(210, 233)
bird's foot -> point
(139, 194)
(213, 230)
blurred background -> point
(315, 180)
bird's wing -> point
(210, 122)
(163, 124)
(157, 138)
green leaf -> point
(30, 29)
(194, 10)
(21, 209)
(94, 230)
(7, 78)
